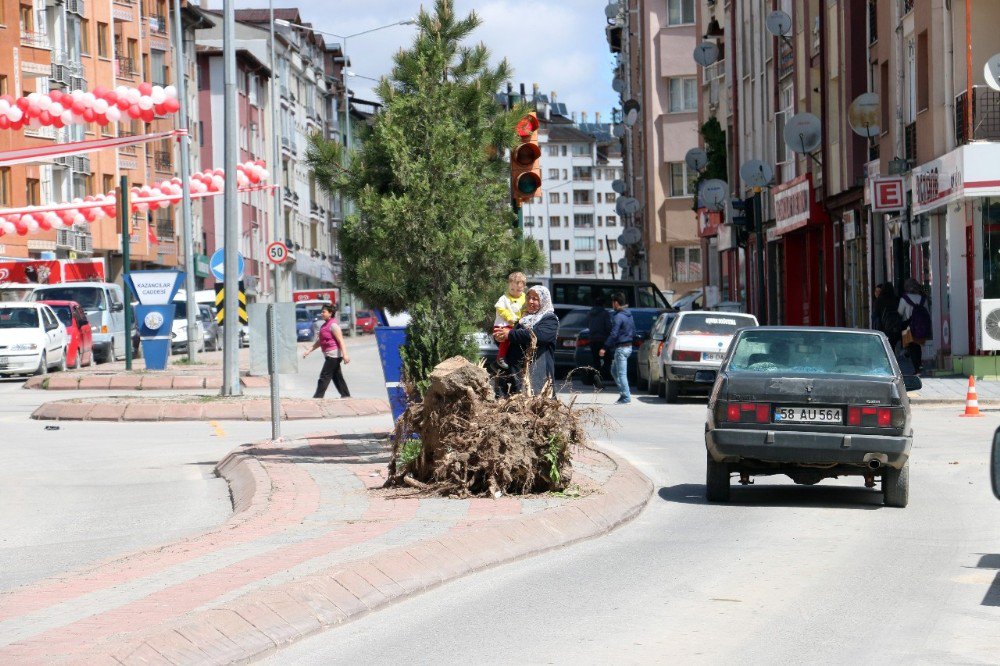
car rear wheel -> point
(716, 481)
(896, 486)
(670, 390)
(661, 389)
(642, 384)
(43, 365)
(62, 363)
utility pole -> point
(231, 212)
(761, 245)
(276, 165)
(181, 85)
(353, 330)
(124, 209)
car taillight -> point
(748, 412)
(689, 356)
(582, 342)
(636, 344)
(659, 349)
(104, 329)
(876, 417)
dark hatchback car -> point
(810, 403)
(643, 318)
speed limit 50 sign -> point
(277, 252)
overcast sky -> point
(558, 44)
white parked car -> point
(32, 339)
(179, 329)
(697, 340)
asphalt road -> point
(782, 574)
(90, 491)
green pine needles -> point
(434, 233)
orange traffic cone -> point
(971, 400)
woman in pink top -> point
(331, 341)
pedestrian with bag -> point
(599, 323)
(619, 344)
(917, 326)
(885, 314)
(331, 341)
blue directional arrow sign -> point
(218, 265)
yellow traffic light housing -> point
(525, 166)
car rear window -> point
(302, 315)
(18, 318)
(644, 319)
(713, 323)
(811, 352)
(64, 314)
(574, 319)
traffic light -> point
(525, 167)
(742, 212)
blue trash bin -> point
(390, 340)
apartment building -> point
(575, 221)
(658, 123)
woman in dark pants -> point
(331, 341)
(541, 323)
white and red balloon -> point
(57, 108)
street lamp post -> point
(346, 101)
(181, 86)
(276, 166)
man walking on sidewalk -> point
(619, 343)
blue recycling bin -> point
(390, 340)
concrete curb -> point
(130, 408)
(262, 622)
(130, 381)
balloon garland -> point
(92, 208)
(102, 106)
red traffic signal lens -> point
(527, 126)
(527, 153)
(528, 183)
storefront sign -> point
(850, 226)
(937, 183)
(727, 238)
(793, 204)
(201, 265)
(51, 272)
(887, 194)
(708, 222)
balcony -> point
(157, 24)
(290, 196)
(36, 40)
(289, 144)
(163, 160)
(127, 150)
(125, 68)
(910, 142)
(985, 116)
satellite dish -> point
(620, 207)
(618, 186)
(623, 263)
(618, 131)
(802, 133)
(778, 23)
(756, 173)
(713, 194)
(612, 10)
(706, 53)
(696, 159)
(631, 109)
(991, 70)
(618, 85)
(630, 205)
(630, 236)
(864, 114)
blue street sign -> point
(218, 264)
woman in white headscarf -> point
(541, 324)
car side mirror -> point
(912, 383)
(995, 464)
(117, 307)
(705, 376)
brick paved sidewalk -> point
(314, 542)
(953, 390)
(204, 408)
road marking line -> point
(219, 432)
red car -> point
(80, 349)
(366, 321)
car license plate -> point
(569, 344)
(808, 415)
(713, 356)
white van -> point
(105, 309)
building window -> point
(680, 12)
(553, 197)
(102, 40)
(585, 267)
(584, 243)
(582, 198)
(108, 183)
(681, 181)
(554, 174)
(552, 151)
(84, 36)
(158, 66)
(612, 244)
(5, 186)
(556, 269)
(597, 174)
(581, 149)
(27, 15)
(554, 221)
(611, 221)
(529, 221)
(3, 84)
(687, 264)
(562, 150)
(541, 245)
(598, 197)
(583, 173)
(923, 75)
(610, 197)
(683, 93)
(33, 191)
(583, 221)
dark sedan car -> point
(643, 318)
(810, 403)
